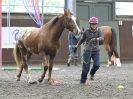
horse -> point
(110, 45)
(44, 40)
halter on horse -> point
(110, 44)
(43, 40)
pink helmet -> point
(93, 20)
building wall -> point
(126, 40)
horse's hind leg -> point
(28, 75)
(115, 52)
(118, 63)
(23, 65)
(28, 56)
(22, 52)
(114, 47)
(110, 53)
(20, 72)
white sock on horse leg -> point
(109, 63)
(118, 62)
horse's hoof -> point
(50, 81)
(37, 82)
(32, 82)
(40, 80)
(54, 82)
(119, 65)
(108, 65)
(18, 79)
(68, 64)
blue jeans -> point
(87, 56)
(72, 54)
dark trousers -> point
(87, 56)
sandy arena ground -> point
(110, 83)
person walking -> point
(73, 53)
(91, 36)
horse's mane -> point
(52, 22)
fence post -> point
(0, 33)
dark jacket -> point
(87, 38)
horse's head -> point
(70, 22)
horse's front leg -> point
(43, 74)
(45, 64)
(50, 80)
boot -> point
(75, 62)
(68, 62)
(91, 77)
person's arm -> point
(99, 38)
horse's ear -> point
(67, 12)
(82, 31)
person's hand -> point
(94, 39)
(74, 49)
(77, 46)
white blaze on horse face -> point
(74, 19)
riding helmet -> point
(93, 20)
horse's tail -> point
(114, 38)
(17, 55)
(114, 42)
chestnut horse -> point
(110, 44)
(43, 40)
